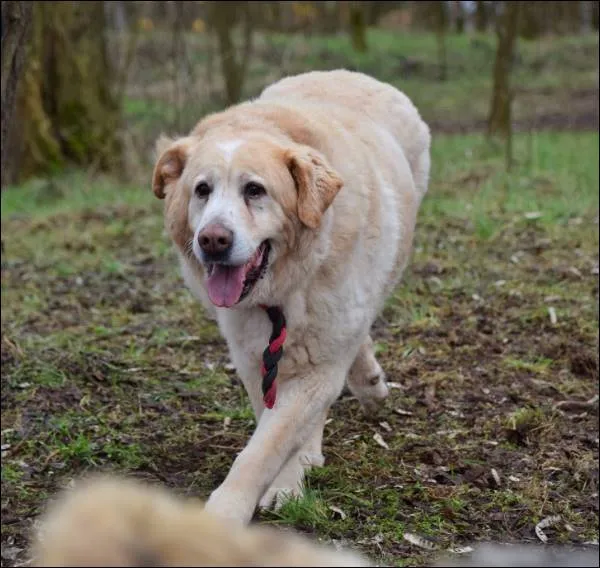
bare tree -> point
(481, 16)
(358, 26)
(459, 17)
(499, 121)
(223, 17)
(440, 15)
(16, 21)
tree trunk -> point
(223, 17)
(459, 17)
(531, 19)
(70, 112)
(481, 16)
(358, 26)
(499, 121)
(595, 14)
(441, 24)
(16, 22)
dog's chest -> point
(247, 334)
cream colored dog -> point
(303, 200)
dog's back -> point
(368, 97)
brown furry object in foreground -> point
(116, 522)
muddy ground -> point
(490, 345)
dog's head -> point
(236, 203)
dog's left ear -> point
(316, 181)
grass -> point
(108, 363)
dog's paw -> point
(276, 497)
(230, 505)
(371, 392)
(290, 481)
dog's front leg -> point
(302, 404)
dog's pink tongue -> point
(225, 285)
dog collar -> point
(272, 354)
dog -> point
(293, 217)
(114, 521)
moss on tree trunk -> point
(16, 22)
(69, 112)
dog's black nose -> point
(215, 240)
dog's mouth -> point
(228, 285)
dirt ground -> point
(490, 345)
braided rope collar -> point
(272, 354)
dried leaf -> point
(552, 314)
(533, 215)
(577, 405)
(495, 477)
(385, 426)
(403, 412)
(420, 541)
(461, 550)
(338, 511)
(351, 439)
(543, 524)
(377, 437)
(430, 396)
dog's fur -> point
(111, 521)
(344, 160)
(108, 521)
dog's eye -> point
(253, 190)
(202, 189)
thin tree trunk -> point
(358, 26)
(459, 17)
(16, 22)
(481, 16)
(499, 121)
(223, 18)
(441, 24)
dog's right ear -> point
(172, 156)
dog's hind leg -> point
(366, 379)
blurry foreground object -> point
(117, 522)
(523, 555)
